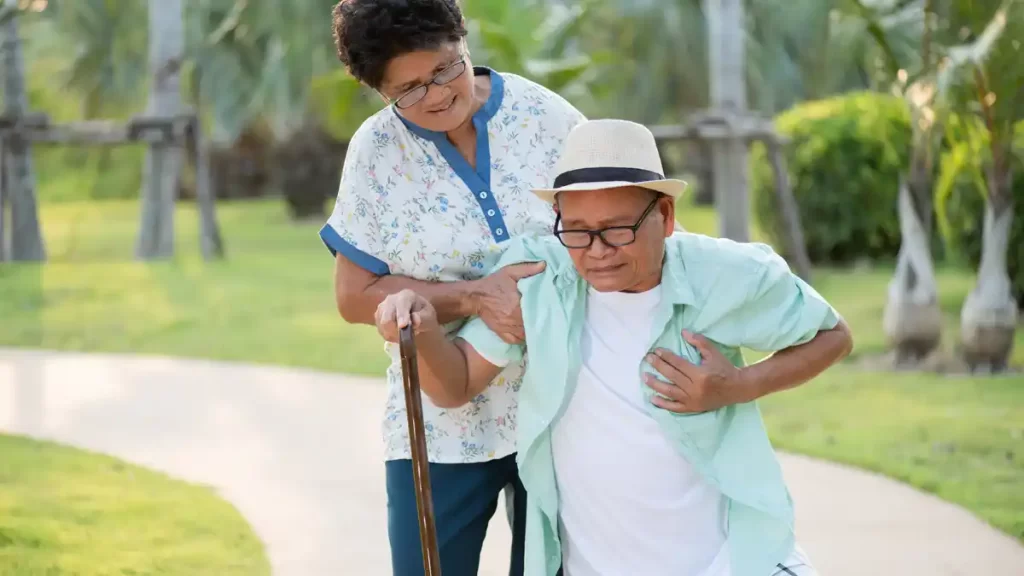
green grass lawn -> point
(65, 511)
(271, 301)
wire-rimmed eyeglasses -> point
(413, 96)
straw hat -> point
(610, 154)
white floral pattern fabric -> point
(409, 204)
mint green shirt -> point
(736, 295)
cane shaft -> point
(420, 462)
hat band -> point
(605, 174)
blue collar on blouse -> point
(478, 180)
(482, 116)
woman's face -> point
(442, 106)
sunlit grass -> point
(958, 437)
(66, 511)
(269, 301)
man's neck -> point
(645, 284)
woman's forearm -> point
(359, 293)
(452, 300)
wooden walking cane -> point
(420, 464)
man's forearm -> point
(444, 372)
(792, 367)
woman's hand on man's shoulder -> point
(495, 299)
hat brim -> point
(669, 187)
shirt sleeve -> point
(779, 309)
(569, 113)
(489, 345)
(352, 228)
(563, 115)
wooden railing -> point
(710, 127)
(181, 131)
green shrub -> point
(964, 211)
(845, 160)
(308, 167)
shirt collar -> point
(675, 284)
(482, 116)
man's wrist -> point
(430, 339)
(747, 386)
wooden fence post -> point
(3, 204)
(209, 233)
(728, 94)
(789, 211)
(176, 138)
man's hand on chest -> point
(692, 388)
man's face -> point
(633, 267)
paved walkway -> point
(299, 453)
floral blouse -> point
(410, 204)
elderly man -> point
(625, 472)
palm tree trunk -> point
(26, 235)
(163, 162)
(912, 320)
(988, 318)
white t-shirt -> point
(629, 503)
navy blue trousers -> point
(465, 498)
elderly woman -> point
(433, 187)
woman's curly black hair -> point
(369, 33)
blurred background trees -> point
(881, 99)
(265, 78)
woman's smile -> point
(445, 106)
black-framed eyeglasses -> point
(413, 96)
(613, 236)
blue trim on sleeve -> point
(478, 181)
(335, 243)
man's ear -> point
(667, 207)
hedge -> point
(845, 160)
